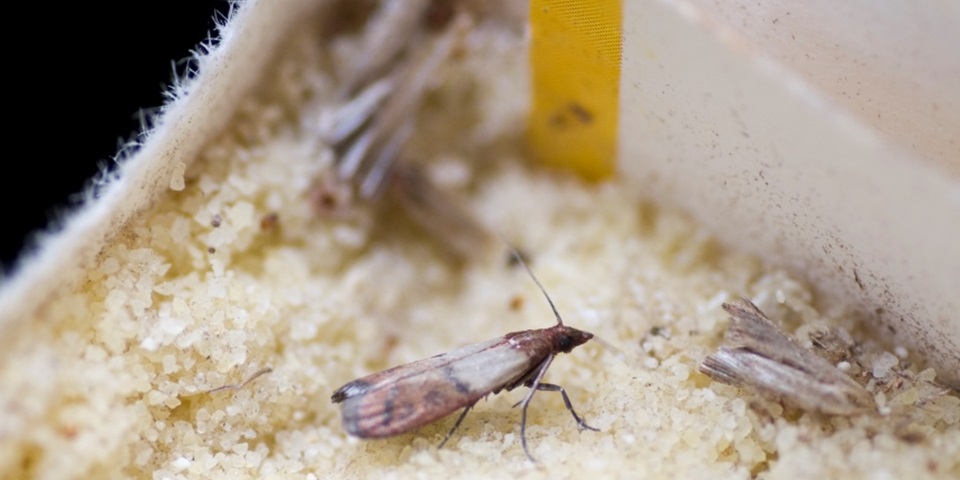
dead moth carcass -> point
(409, 396)
(368, 132)
(758, 355)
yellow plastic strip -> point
(575, 63)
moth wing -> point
(387, 377)
(409, 396)
(403, 406)
(743, 368)
(752, 330)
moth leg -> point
(456, 425)
(549, 387)
(534, 386)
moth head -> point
(566, 338)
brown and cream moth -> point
(409, 396)
(757, 355)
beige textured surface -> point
(106, 380)
(894, 68)
(715, 122)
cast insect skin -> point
(409, 396)
(757, 355)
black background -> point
(77, 73)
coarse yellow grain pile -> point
(237, 271)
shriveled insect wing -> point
(757, 355)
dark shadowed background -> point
(76, 82)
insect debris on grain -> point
(758, 355)
(406, 397)
(236, 386)
(368, 133)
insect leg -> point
(549, 387)
(534, 386)
(456, 425)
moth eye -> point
(565, 343)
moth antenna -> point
(516, 254)
(609, 346)
(258, 374)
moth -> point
(368, 133)
(758, 355)
(406, 397)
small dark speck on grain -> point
(270, 222)
(516, 303)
